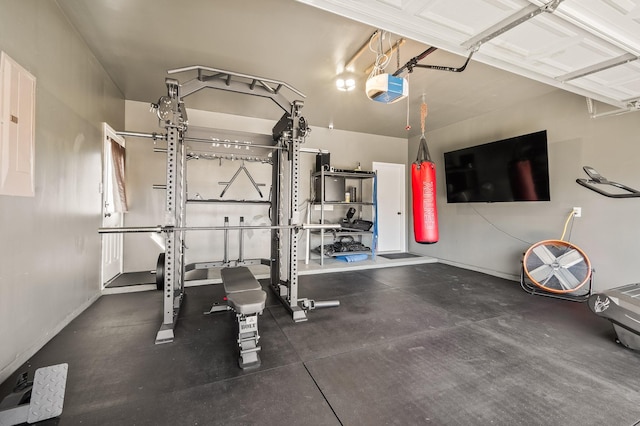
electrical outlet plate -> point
(577, 212)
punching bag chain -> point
(423, 114)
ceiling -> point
(137, 41)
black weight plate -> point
(160, 272)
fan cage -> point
(557, 268)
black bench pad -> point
(244, 293)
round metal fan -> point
(557, 266)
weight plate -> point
(160, 272)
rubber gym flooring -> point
(427, 344)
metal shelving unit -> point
(367, 208)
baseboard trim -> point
(498, 274)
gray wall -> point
(476, 236)
(145, 168)
(50, 249)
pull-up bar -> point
(234, 82)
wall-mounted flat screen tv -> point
(514, 169)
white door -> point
(112, 244)
(391, 206)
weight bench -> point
(245, 297)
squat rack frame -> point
(286, 222)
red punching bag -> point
(423, 185)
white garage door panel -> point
(550, 46)
(576, 47)
(624, 81)
(618, 21)
(472, 19)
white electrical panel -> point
(17, 128)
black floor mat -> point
(132, 278)
(398, 255)
(419, 344)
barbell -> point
(161, 228)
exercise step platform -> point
(36, 401)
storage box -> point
(334, 189)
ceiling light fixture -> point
(345, 84)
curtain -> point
(119, 191)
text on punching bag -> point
(428, 203)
